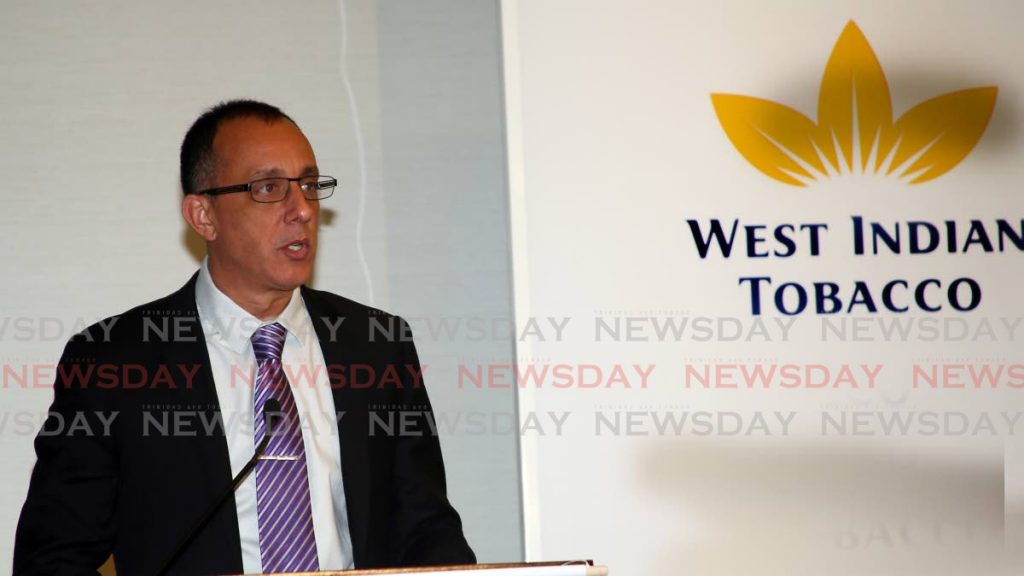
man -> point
(163, 392)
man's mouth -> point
(297, 249)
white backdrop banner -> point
(767, 289)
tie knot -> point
(268, 341)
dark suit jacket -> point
(137, 490)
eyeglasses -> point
(269, 190)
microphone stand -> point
(271, 408)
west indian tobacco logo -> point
(855, 132)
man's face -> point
(259, 249)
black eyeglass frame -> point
(322, 182)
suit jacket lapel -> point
(341, 345)
(209, 453)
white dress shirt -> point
(228, 328)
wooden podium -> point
(568, 568)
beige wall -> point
(95, 100)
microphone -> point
(271, 414)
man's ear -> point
(198, 212)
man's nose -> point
(300, 207)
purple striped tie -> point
(282, 485)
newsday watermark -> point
(684, 375)
(602, 327)
(612, 422)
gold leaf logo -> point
(855, 132)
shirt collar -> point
(223, 319)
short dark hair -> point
(197, 158)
